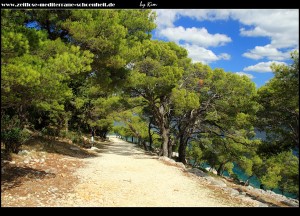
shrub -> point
(50, 131)
(63, 133)
(75, 137)
(12, 134)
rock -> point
(12, 162)
(181, 165)
(291, 202)
(164, 158)
(261, 191)
(23, 152)
(247, 199)
(209, 169)
(75, 148)
(294, 200)
(262, 204)
(94, 148)
(243, 193)
(250, 187)
(209, 178)
(175, 154)
(259, 199)
(198, 172)
(224, 180)
(271, 192)
(26, 161)
(218, 183)
(233, 192)
(215, 181)
(281, 196)
(42, 160)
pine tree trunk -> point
(219, 171)
(66, 125)
(165, 137)
(163, 123)
(144, 144)
(150, 136)
(170, 148)
(182, 153)
(182, 150)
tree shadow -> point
(13, 176)
(59, 147)
(123, 149)
(102, 145)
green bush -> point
(71, 135)
(50, 131)
(63, 133)
(79, 140)
(12, 134)
(75, 137)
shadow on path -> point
(59, 147)
(12, 176)
(120, 147)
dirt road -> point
(123, 175)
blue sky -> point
(242, 41)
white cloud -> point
(198, 36)
(224, 56)
(245, 74)
(165, 18)
(269, 52)
(262, 67)
(281, 26)
(195, 40)
(200, 54)
(256, 32)
(206, 14)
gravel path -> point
(123, 175)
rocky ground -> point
(116, 173)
